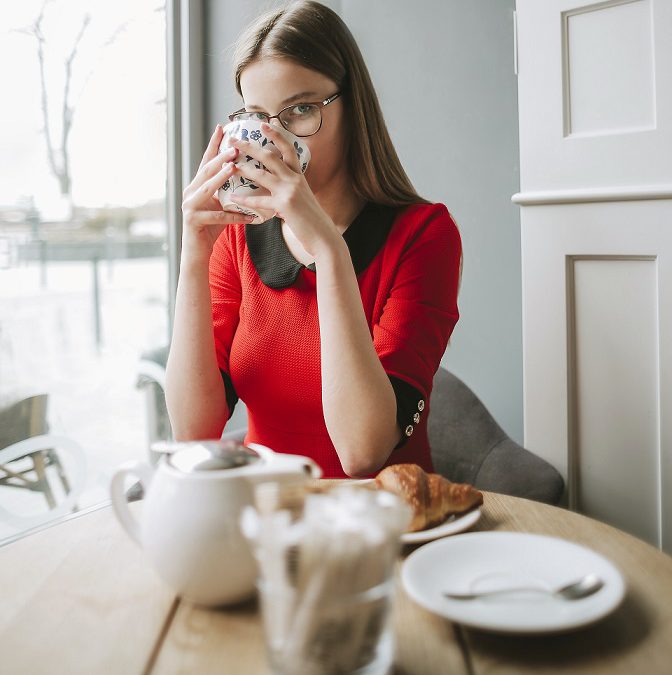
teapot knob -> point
(265, 453)
(309, 467)
(296, 462)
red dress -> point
(266, 327)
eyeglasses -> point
(301, 119)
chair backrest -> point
(468, 446)
(24, 419)
(152, 380)
(76, 474)
(461, 430)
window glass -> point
(83, 256)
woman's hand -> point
(203, 218)
(290, 196)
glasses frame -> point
(318, 104)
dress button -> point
(416, 417)
(409, 429)
(421, 405)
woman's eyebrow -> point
(287, 101)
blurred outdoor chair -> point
(20, 420)
(28, 452)
(468, 446)
(152, 382)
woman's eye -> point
(301, 109)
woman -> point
(331, 318)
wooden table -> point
(79, 597)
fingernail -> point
(266, 126)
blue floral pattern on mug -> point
(237, 182)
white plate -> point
(489, 560)
(453, 525)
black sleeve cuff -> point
(231, 396)
(410, 404)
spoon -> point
(581, 588)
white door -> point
(595, 105)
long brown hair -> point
(315, 37)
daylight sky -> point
(118, 137)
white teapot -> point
(189, 525)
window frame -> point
(185, 121)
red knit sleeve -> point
(421, 311)
(225, 294)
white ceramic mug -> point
(250, 130)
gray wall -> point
(452, 61)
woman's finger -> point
(207, 190)
(228, 155)
(255, 203)
(200, 218)
(257, 176)
(213, 146)
(214, 165)
(287, 149)
(271, 160)
(211, 168)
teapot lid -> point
(196, 456)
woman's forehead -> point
(280, 82)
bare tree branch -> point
(110, 41)
(113, 36)
(35, 31)
(39, 36)
(67, 109)
(58, 158)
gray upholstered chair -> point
(468, 446)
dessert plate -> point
(454, 524)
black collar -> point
(278, 268)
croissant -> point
(431, 496)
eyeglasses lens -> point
(300, 119)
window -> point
(84, 287)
